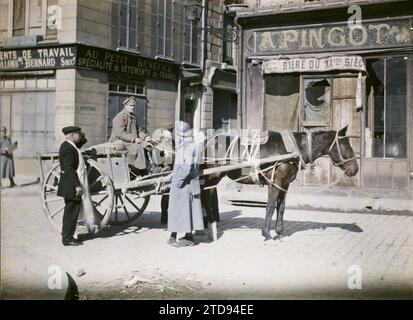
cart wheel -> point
(128, 207)
(101, 192)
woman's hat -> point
(182, 129)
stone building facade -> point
(309, 65)
(73, 62)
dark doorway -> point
(225, 110)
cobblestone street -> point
(317, 257)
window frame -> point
(315, 76)
(43, 26)
(370, 108)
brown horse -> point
(311, 146)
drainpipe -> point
(204, 39)
(240, 93)
(204, 56)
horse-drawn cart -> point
(119, 195)
(109, 176)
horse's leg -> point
(279, 224)
(164, 208)
(271, 205)
(286, 174)
(206, 198)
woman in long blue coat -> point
(185, 209)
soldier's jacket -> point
(124, 130)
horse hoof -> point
(267, 237)
(265, 234)
(279, 230)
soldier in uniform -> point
(134, 139)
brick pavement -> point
(311, 261)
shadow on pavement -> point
(231, 220)
(149, 220)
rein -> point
(336, 143)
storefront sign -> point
(370, 34)
(353, 63)
(111, 61)
(38, 59)
(81, 56)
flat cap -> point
(130, 100)
(70, 129)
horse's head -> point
(342, 153)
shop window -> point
(9, 83)
(42, 82)
(31, 83)
(386, 116)
(130, 86)
(19, 83)
(317, 103)
(32, 122)
(122, 87)
(51, 83)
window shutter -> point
(115, 25)
(132, 25)
(123, 28)
(140, 44)
(168, 29)
(154, 28)
(161, 28)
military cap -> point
(130, 100)
(70, 129)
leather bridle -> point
(336, 143)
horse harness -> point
(336, 143)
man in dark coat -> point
(69, 185)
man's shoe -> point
(183, 243)
(171, 240)
(73, 242)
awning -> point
(220, 79)
(322, 64)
